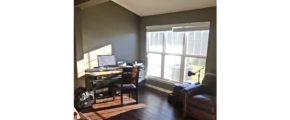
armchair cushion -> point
(203, 101)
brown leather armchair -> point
(200, 100)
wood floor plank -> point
(152, 105)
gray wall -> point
(78, 42)
(200, 15)
(109, 23)
(78, 34)
(103, 24)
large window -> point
(171, 54)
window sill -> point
(162, 80)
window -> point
(174, 42)
(172, 52)
(172, 67)
(155, 41)
(154, 64)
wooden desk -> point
(92, 75)
(103, 73)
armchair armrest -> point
(194, 89)
(189, 91)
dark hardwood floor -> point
(156, 108)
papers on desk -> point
(139, 64)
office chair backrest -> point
(130, 75)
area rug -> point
(107, 108)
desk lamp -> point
(190, 73)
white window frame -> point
(183, 55)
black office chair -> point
(128, 83)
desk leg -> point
(95, 97)
(121, 97)
(93, 88)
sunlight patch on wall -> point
(90, 59)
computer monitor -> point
(106, 60)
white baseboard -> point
(158, 88)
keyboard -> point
(110, 69)
(106, 68)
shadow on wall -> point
(90, 59)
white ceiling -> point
(154, 7)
